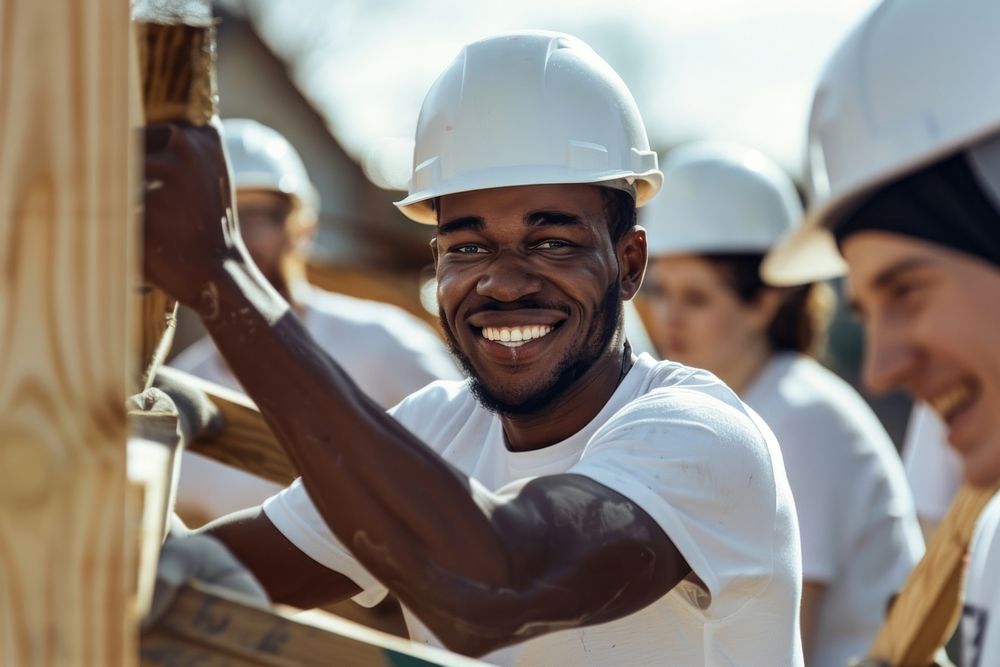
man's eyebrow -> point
(894, 271)
(886, 276)
(469, 222)
(546, 218)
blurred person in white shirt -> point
(904, 165)
(722, 207)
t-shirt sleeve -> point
(292, 512)
(702, 469)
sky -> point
(728, 70)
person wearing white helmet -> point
(721, 208)
(386, 351)
(904, 160)
(569, 503)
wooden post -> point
(65, 233)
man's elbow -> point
(473, 639)
(481, 624)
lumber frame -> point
(66, 237)
(246, 441)
(210, 627)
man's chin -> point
(511, 402)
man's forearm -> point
(405, 504)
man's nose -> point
(888, 359)
(509, 278)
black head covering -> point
(944, 203)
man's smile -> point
(955, 403)
(515, 336)
(519, 335)
(515, 328)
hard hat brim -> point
(417, 206)
(810, 253)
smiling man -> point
(569, 503)
(904, 150)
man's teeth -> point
(947, 402)
(515, 336)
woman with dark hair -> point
(720, 210)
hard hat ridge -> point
(528, 108)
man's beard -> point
(602, 331)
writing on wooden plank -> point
(206, 627)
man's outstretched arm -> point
(480, 569)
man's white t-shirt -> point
(860, 535)
(933, 468)
(981, 609)
(388, 353)
(682, 446)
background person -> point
(386, 351)
(721, 208)
(904, 160)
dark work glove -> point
(198, 415)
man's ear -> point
(434, 251)
(632, 257)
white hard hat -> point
(720, 198)
(914, 82)
(527, 108)
(262, 159)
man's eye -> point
(904, 292)
(468, 249)
(552, 244)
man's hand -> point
(199, 417)
(190, 227)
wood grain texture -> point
(153, 329)
(926, 611)
(208, 628)
(246, 441)
(65, 230)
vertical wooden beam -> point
(65, 230)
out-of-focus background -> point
(344, 79)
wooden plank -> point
(176, 65)
(151, 468)
(209, 628)
(246, 441)
(65, 234)
(926, 611)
